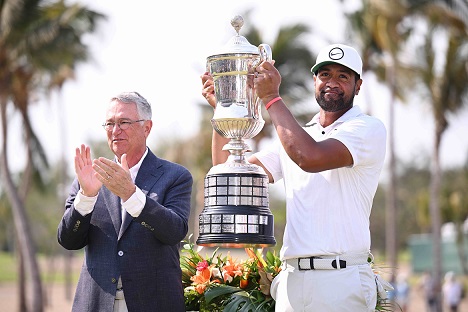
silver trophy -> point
(236, 212)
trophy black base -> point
(235, 241)
(236, 227)
(236, 213)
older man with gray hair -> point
(130, 215)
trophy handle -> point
(265, 55)
(265, 52)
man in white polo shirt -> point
(330, 169)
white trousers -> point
(119, 303)
(352, 289)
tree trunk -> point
(434, 208)
(22, 228)
(22, 193)
(22, 306)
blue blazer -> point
(143, 251)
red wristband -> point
(276, 99)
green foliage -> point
(413, 202)
(454, 198)
(220, 283)
(6, 224)
(49, 272)
(7, 267)
(243, 301)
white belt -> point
(327, 262)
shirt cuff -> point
(84, 204)
(135, 204)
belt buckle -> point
(311, 263)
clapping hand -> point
(85, 173)
(116, 177)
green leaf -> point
(244, 302)
(221, 290)
(239, 302)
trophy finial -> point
(237, 22)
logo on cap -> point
(336, 54)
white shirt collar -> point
(351, 113)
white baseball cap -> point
(339, 54)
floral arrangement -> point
(218, 283)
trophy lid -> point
(238, 43)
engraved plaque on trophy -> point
(236, 212)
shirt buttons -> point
(114, 280)
(120, 253)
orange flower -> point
(243, 283)
(200, 288)
(202, 278)
(252, 255)
(231, 269)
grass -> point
(8, 268)
(51, 268)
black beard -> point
(334, 105)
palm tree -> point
(383, 31)
(376, 26)
(447, 92)
(37, 38)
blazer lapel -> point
(147, 176)
(150, 172)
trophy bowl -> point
(236, 212)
